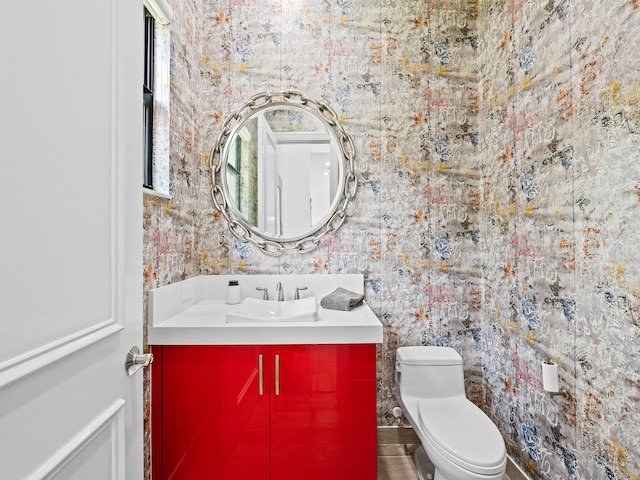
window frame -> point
(147, 98)
(156, 99)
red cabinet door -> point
(214, 420)
(323, 412)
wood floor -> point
(396, 447)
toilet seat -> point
(463, 434)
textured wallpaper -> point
(560, 86)
(499, 186)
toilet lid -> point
(419, 355)
(463, 434)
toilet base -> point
(426, 470)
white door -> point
(70, 242)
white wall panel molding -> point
(22, 365)
(104, 437)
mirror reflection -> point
(283, 172)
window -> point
(233, 170)
(147, 102)
(156, 93)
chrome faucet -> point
(280, 292)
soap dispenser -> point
(233, 292)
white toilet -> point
(458, 438)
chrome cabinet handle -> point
(277, 374)
(260, 383)
(136, 360)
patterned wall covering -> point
(498, 167)
(560, 86)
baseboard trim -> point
(391, 435)
(514, 470)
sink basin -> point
(256, 310)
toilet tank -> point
(429, 372)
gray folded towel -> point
(342, 299)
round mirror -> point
(283, 172)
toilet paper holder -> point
(550, 382)
(560, 392)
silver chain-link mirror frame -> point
(240, 228)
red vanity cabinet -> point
(264, 412)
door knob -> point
(136, 360)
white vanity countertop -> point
(192, 312)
